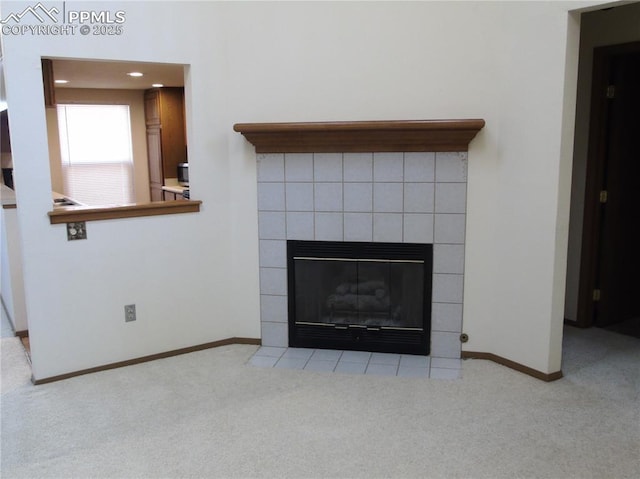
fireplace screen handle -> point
(368, 328)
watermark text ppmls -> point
(43, 19)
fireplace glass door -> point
(361, 296)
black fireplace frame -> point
(374, 339)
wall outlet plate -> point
(76, 231)
(129, 312)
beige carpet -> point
(210, 414)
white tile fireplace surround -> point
(393, 182)
(376, 197)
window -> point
(96, 150)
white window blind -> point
(97, 158)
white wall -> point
(194, 277)
(598, 28)
(55, 156)
(11, 277)
(135, 100)
(6, 283)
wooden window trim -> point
(72, 214)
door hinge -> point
(604, 196)
(611, 91)
(596, 295)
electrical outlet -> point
(76, 231)
(129, 312)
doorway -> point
(609, 292)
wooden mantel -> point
(361, 136)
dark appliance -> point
(183, 174)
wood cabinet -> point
(170, 196)
(166, 139)
(47, 81)
(154, 152)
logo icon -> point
(37, 11)
(36, 19)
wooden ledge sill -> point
(361, 136)
(72, 214)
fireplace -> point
(388, 183)
(360, 296)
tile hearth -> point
(357, 362)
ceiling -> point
(113, 74)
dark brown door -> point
(618, 250)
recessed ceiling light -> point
(61, 82)
(135, 74)
(157, 85)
